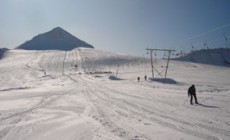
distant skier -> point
(138, 78)
(192, 93)
(145, 78)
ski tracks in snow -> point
(143, 108)
(111, 103)
(78, 106)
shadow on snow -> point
(114, 78)
(164, 80)
(208, 106)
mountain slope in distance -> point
(56, 39)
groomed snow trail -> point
(50, 95)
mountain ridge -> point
(55, 39)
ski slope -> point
(56, 95)
(218, 56)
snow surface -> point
(88, 94)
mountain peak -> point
(57, 28)
(55, 39)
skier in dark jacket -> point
(138, 78)
(192, 93)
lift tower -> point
(168, 58)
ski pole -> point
(185, 100)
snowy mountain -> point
(220, 57)
(88, 94)
(2, 51)
(56, 39)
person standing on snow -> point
(192, 93)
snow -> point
(89, 94)
(218, 56)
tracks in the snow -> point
(121, 104)
(113, 108)
(141, 108)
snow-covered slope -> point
(220, 57)
(56, 95)
(56, 39)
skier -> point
(145, 78)
(192, 93)
(138, 78)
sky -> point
(122, 26)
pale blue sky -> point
(125, 26)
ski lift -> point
(164, 56)
(160, 66)
(155, 56)
(206, 45)
(225, 37)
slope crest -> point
(219, 56)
